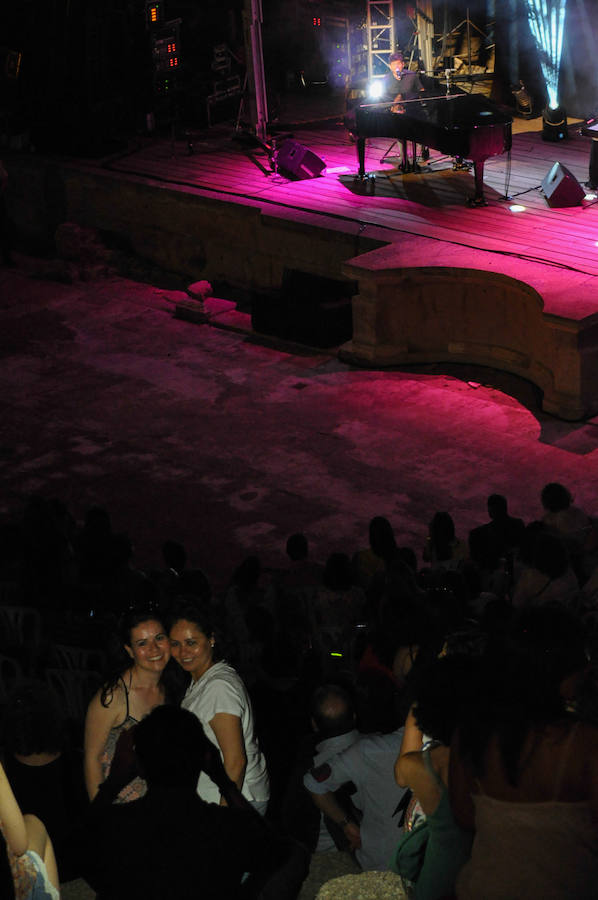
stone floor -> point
(324, 866)
(209, 436)
(76, 890)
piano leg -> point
(592, 181)
(414, 165)
(361, 158)
(478, 199)
(404, 166)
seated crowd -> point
(415, 730)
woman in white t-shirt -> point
(219, 699)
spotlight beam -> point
(547, 23)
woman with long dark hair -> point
(524, 770)
(439, 690)
(217, 696)
(443, 550)
(136, 688)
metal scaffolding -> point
(424, 25)
(381, 36)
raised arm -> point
(13, 822)
(412, 743)
(25, 833)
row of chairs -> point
(73, 672)
(21, 635)
(20, 632)
(75, 687)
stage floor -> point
(109, 392)
(430, 204)
(210, 206)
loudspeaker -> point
(561, 188)
(298, 161)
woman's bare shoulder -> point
(439, 757)
(110, 701)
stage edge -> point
(449, 314)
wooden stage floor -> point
(437, 280)
(430, 204)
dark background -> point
(86, 76)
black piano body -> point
(458, 124)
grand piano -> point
(443, 117)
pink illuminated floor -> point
(205, 436)
(430, 204)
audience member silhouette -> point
(549, 578)
(338, 606)
(374, 559)
(573, 525)
(367, 764)
(45, 773)
(177, 580)
(523, 770)
(171, 843)
(440, 691)
(249, 618)
(294, 591)
(443, 550)
(333, 729)
(506, 530)
(401, 623)
(93, 547)
(492, 568)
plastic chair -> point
(71, 657)
(20, 632)
(10, 675)
(76, 687)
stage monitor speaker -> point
(561, 188)
(295, 159)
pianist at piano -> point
(400, 83)
(445, 118)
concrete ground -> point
(226, 443)
(207, 436)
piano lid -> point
(455, 111)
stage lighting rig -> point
(154, 13)
(554, 124)
(375, 88)
(547, 23)
(523, 102)
(166, 54)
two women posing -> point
(215, 694)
